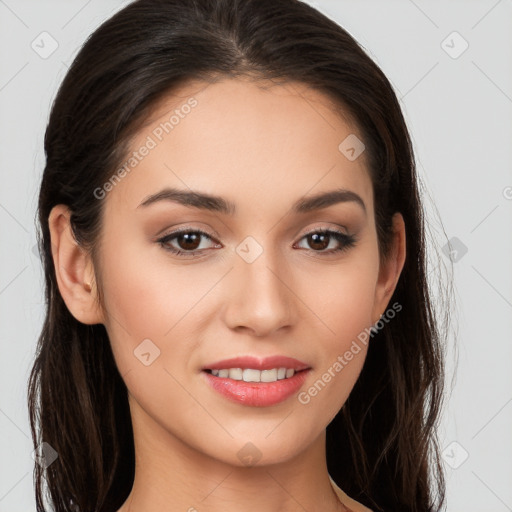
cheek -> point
(150, 308)
(341, 359)
(174, 305)
(342, 297)
(147, 297)
(345, 309)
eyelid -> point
(215, 236)
(336, 227)
(345, 238)
(187, 229)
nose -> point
(259, 299)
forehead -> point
(245, 140)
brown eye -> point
(320, 240)
(188, 241)
(184, 242)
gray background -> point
(458, 106)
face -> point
(252, 273)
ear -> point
(390, 269)
(73, 269)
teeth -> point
(250, 375)
(269, 375)
(235, 373)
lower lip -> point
(257, 394)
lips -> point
(256, 394)
(267, 363)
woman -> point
(238, 312)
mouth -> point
(255, 382)
(258, 364)
(254, 375)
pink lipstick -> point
(256, 382)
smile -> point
(262, 388)
(252, 375)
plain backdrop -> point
(450, 63)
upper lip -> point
(266, 363)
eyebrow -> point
(218, 204)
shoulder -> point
(352, 504)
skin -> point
(261, 148)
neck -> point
(171, 475)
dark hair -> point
(381, 447)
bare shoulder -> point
(353, 505)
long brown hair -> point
(381, 447)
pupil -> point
(190, 238)
(315, 237)
(191, 241)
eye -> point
(187, 242)
(187, 239)
(322, 239)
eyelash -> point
(346, 241)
